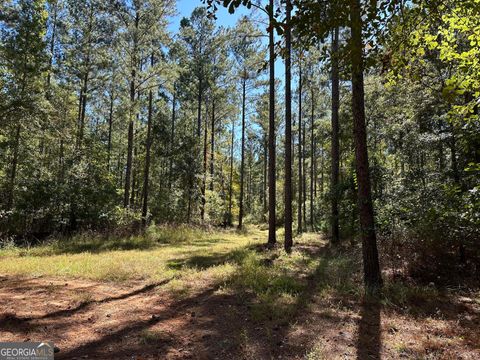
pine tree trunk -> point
(204, 180)
(300, 175)
(304, 178)
(147, 161)
(288, 133)
(110, 128)
(134, 177)
(372, 274)
(265, 175)
(172, 137)
(212, 149)
(312, 160)
(13, 171)
(271, 134)
(335, 138)
(199, 109)
(242, 163)
(230, 190)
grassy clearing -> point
(160, 254)
(276, 285)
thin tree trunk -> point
(134, 176)
(147, 159)
(212, 150)
(304, 178)
(242, 163)
(204, 180)
(265, 175)
(372, 275)
(52, 49)
(288, 133)
(230, 190)
(110, 128)
(128, 173)
(199, 109)
(13, 172)
(312, 160)
(271, 132)
(172, 137)
(335, 138)
(300, 176)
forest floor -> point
(188, 294)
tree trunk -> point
(134, 176)
(304, 178)
(230, 190)
(265, 175)
(271, 134)
(199, 109)
(172, 138)
(372, 274)
(204, 180)
(13, 172)
(128, 172)
(312, 157)
(288, 133)
(212, 149)
(110, 128)
(335, 139)
(300, 176)
(242, 163)
(52, 49)
(147, 160)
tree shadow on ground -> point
(97, 244)
(215, 323)
(369, 331)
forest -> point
(244, 179)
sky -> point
(185, 8)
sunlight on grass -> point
(127, 258)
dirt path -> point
(95, 320)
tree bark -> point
(230, 190)
(335, 138)
(212, 146)
(271, 132)
(300, 175)
(147, 160)
(199, 109)
(13, 172)
(312, 160)
(110, 128)
(372, 274)
(288, 132)
(204, 180)
(172, 137)
(128, 172)
(242, 162)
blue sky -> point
(185, 8)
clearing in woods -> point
(193, 294)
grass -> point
(276, 285)
(160, 254)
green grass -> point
(160, 254)
(272, 282)
(274, 285)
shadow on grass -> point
(248, 315)
(203, 262)
(369, 332)
(97, 244)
